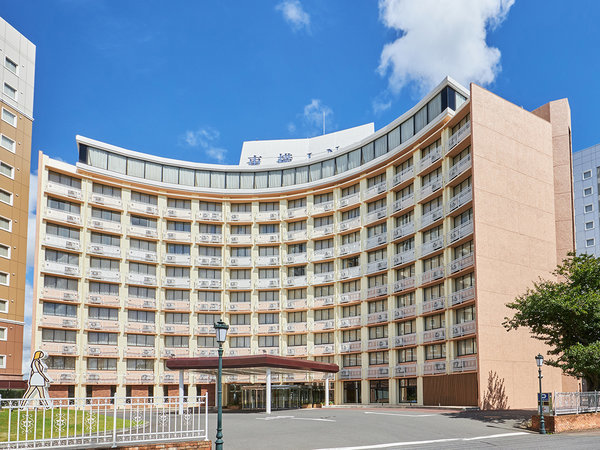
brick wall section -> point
(567, 422)
(195, 445)
(58, 391)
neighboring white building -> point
(585, 184)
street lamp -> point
(221, 334)
(539, 360)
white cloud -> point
(204, 138)
(380, 105)
(439, 38)
(294, 14)
(31, 230)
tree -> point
(565, 314)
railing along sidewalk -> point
(576, 402)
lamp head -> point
(539, 360)
(221, 331)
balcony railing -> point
(457, 137)
(349, 297)
(377, 344)
(266, 238)
(106, 200)
(323, 301)
(375, 190)
(174, 353)
(350, 374)
(102, 350)
(432, 274)
(104, 275)
(63, 216)
(206, 352)
(177, 236)
(105, 225)
(432, 216)
(377, 291)
(267, 283)
(267, 216)
(298, 303)
(377, 317)
(349, 224)
(349, 249)
(434, 367)
(323, 207)
(405, 311)
(59, 322)
(143, 208)
(101, 377)
(103, 325)
(459, 167)
(403, 203)
(208, 306)
(142, 278)
(209, 283)
(432, 246)
(433, 156)
(205, 329)
(178, 213)
(266, 261)
(268, 351)
(323, 230)
(296, 327)
(183, 260)
(324, 349)
(460, 199)
(142, 255)
(350, 200)
(434, 304)
(61, 242)
(240, 329)
(350, 347)
(140, 327)
(143, 303)
(296, 258)
(139, 352)
(462, 296)
(63, 376)
(59, 348)
(403, 176)
(298, 235)
(175, 329)
(463, 329)
(438, 334)
(177, 282)
(297, 350)
(435, 184)
(348, 322)
(326, 277)
(463, 364)
(324, 253)
(270, 328)
(404, 284)
(104, 300)
(294, 213)
(405, 340)
(239, 239)
(460, 231)
(211, 261)
(378, 372)
(296, 281)
(176, 305)
(240, 261)
(112, 251)
(240, 217)
(405, 370)
(322, 325)
(139, 378)
(268, 306)
(377, 266)
(461, 263)
(350, 272)
(403, 258)
(376, 215)
(377, 240)
(61, 268)
(210, 216)
(65, 191)
(209, 238)
(143, 232)
(239, 306)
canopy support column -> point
(181, 392)
(268, 399)
(327, 390)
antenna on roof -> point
(323, 122)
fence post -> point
(114, 443)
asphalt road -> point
(386, 428)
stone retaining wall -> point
(567, 422)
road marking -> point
(294, 418)
(402, 415)
(432, 441)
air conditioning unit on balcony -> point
(148, 328)
(98, 199)
(95, 325)
(273, 238)
(233, 284)
(169, 305)
(71, 219)
(273, 261)
(95, 273)
(169, 329)
(273, 216)
(146, 377)
(71, 270)
(344, 226)
(147, 304)
(273, 283)
(344, 202)
(149, 232)
(148, 352)
(94, 351)
(95, 299)
(71, 244)
(235, 239)
(235, 217)
(148, 280)
(150, 209)
(344, 323)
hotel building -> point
(586, 181)
(17, 57)
(391, 253)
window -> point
(271, 206)
(323, 338)
(105, 239)
(435, 351)
(63, 284)
(589, 225)
(63, 336)
(179, 203)
(62, 231)
(102, 364)
(10, 91)
(296, 317)
(268, 318)
(239, 342)
(268, 296)
(104, 214)
(10, 65)
(177, 341)
(406, 327)
(352, 360)
(4, 251)
(59, 309)
(5, 197)
(323, 314)
(103, 313)
(209, 319)
(102, 338)
(9, 117)
(179, 226)
(209, 296)
(239, 297)
(589, 242)
(7, 143)
(588, 208)
(147, 246)
(408, 390)
(177, 318)
(141, 292)
(587, 174)
(207, 342)
(4, 278)
(587, 191)
(144, 198)
(63, 179)
(407, 355)
(61, 362)
(466, 347)
(140, 364)
(2, 361)
(295, 340)
(3, 333)
(105, 264)
(140, 340)
(3, 305)
(376, 358)
(145, 222)
(7, 170)
(178, 295)
(134, 315)
(268, 341)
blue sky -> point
(193, 80)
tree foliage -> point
(565, 314)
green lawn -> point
(38, 424)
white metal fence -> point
(101, 421)
(576, 402)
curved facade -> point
(366, 257)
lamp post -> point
(221, 334)
(539, 360)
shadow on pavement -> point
(515, 417)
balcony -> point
(432, 246)
(143, 232)
(267, 283)
(322, 254)
(104, 275)
(176, 305)
(63, 216)
(239, 306)
(403, 258)
(324, 230)
(210, 261)
(174, 352)
(206, 352)
(351, 248)
(176, 259)
(350, 272)
(101, 377)
(404, 284)
(59, 322)
(139, 377)
(267, 328)
(62, 376)
(377, 266)
(240, 329)
(110, 251)
(434, 304)
(140, 327)
(459, 168)
(434, 367)
(105, 225)
(405, 340)
(460, 231)
(103, 325)
(377, 291)
(377, 317)
(177, 236)
(349, 297)
(178, 213)
(177, 282)
(432, 274)
(208, 306)
(437, 334)
(350, 200)
(323, 207)
(170, 377)
(143, 208)
(378, 372)
(59, 348)
(239, 352)
(139, 352)
(295, 213)
(143, 303)
(239, 239)
(240, 217)
(210, 216)
(433, 156)
(464, 329)
(106, 200)
(457, 137)
(403, 203)
(375, 190)
(296, 281)
(102, 350)
(209, 283)
(461, 263)
(351, 347)
(240, 261)
(141, 255)
(60, 268)
(349, 322)
(376, 241)
(61, 242)
(296, 327)
(299, 303)
(63, 190)
(403, 176)
(349, 224)
(376, 215)
(299, 235)
(403, 230)
(267, 216)
(462, 296)
(209, 238)
(435, 184)
(460, 199)
(319, 302)
(463, 364)
(405, 370)
(431, 217)
(205, 329)
(268, 306)
(405, 311)
(377, 344)
(104, 300)
(350, 374)
(297, 350)
(323, 325)
(141, 278)
(267, 238)
(239, 284)
(172, 328)
(321, 278)
(324, 349)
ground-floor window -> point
(380, 391)
(351, 391)
(407, 390)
